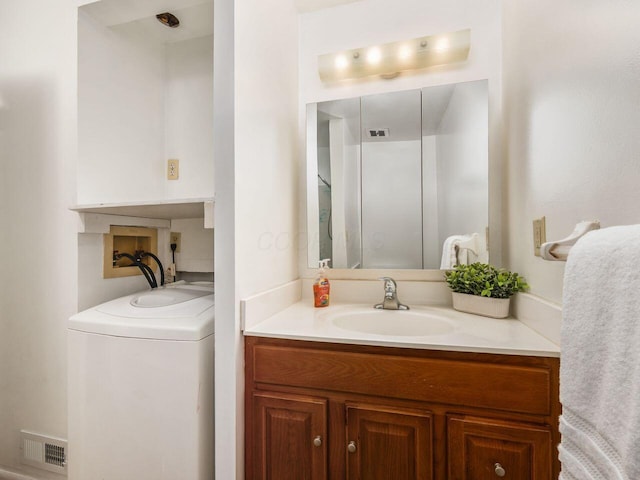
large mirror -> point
(399, 180)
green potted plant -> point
(483, 289)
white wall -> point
(266, 144)
(189, 116)
(379, 21)
(353, 217)
(431, 246)
(121, 92)
(38, 154)
(256, 195)
(229, 363)
(462, 159)
(391, 204)
(338, 191)
(142, 102)
(196, 251)
(571, 99)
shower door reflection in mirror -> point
(394, 177)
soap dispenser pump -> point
(321, 286)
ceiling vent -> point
(377, 132)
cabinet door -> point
(386, 443)
(289, 437)
(483, 449)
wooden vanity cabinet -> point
(386, 442)
(485, 449)
(331, 411)
(290, 436)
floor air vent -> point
(42, 452)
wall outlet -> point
(171, 270)
(539, 235)
(173, 169)
(175, 237)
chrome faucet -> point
(390, 301)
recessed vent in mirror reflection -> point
(394, 176)
(378, 132)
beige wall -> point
(571, 96)
(38, 153)
(255, 142)
(266, 85)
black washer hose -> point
(145, 269)
(157, 260)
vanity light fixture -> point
(391, 58)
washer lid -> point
(181, 312)
(165, 298)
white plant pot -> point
(485, 306)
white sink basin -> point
(402, 323)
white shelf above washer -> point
(154, 211)
(163, 209)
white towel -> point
(455, 250)
(600, 360)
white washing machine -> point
(141, 386)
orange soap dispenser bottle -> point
(321, 286)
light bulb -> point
(442, 45)
(404, 52)
(341, 62)
(374, 55)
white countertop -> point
(470, 333)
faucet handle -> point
(390, 285)
(390, 296)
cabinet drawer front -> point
(483, 449)
(515, 388)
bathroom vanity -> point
(333, 409)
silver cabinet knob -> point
(500, 472)
(351, 448)
(317, 442)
